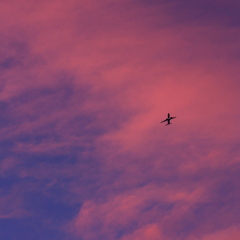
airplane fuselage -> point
(168, 119)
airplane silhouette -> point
(168, 119)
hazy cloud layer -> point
(83, 88)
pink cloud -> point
(230, 233)
(151, 232)
(132, 211)
(93, 80)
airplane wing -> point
(164, 120)
(173, 117)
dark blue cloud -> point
(200, 12)
(28, 229)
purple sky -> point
(84, 85)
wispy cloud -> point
(84, 86)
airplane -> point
(168, 119)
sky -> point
(84, 85)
